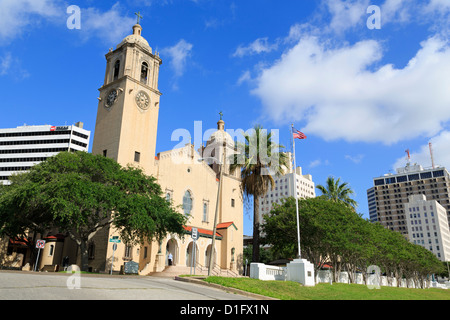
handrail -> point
(217, 270)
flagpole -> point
(296, 195)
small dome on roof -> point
(220, 136)
(136, 38)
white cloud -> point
(20, 16)
(441, 153)
(109, 26)
(178, 55)
(346, 14)
(355, 159)
(12, 67)
(256, 47)
(5, 63)
(339, 95)
(442, 6)
(347, 91)
(397, 11)
(351, 15)
(297, 31)
(17, 16)
(318, 162)
(245, 77)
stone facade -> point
(126, 130)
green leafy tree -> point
(17, 223)
(321, 229)
(258, 158)
(337, 192)
(80, 194)
(280, 229)
(332, 232)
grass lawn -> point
(288, 290)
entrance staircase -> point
(174, 271)
(171, 271)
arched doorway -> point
(189, 257)
(172, 248)
(207, 256)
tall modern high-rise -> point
(284, 188)
(389, 194)
(23, 147)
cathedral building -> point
(126, 130)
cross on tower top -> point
(138, 14)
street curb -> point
(226, 289)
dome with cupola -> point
(220, 137)
(136, 38)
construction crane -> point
(431, 154)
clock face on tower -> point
(112, 97)
(142, 100)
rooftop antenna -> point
(409, 157)
(431, 154)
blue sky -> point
(362, 96)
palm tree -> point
(338, 192)
(258, 158)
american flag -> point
(298, 134)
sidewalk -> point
(199, 280)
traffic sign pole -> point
(195, 246)
(40, 244)
(192, 258)
(114, 240)
(37, 259)
(194, 235)
(112, 259)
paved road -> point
(60, 286)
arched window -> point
(116, 70)
(187, 203)
(144, 72)
(168, 197)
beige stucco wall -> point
(13, 260)
(179, 171)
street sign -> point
(40, 244)
(115, 240)
(194, 234)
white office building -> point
(284, 188)
(25, 146)
(428, 225)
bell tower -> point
(128, 108)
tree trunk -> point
(84, 255)
(33, 254)
(336, 269)
(255, 253)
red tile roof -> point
(203, 232)
(16, 241)
(225, 225)
(58, 236)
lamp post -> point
(219, 189)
